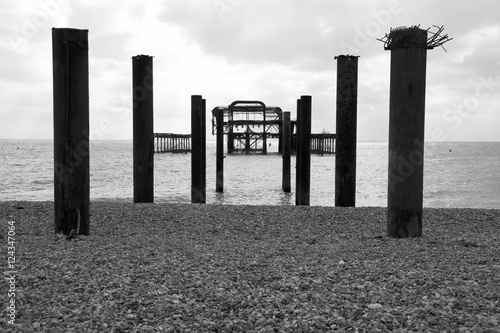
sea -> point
(456, 174)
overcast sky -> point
(268, 50)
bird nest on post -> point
(404, 37)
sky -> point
(269, 50)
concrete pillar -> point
(70, 65)
(142, 94)
(219, 120)
(304, 151)
(198, 160)
(406, 132)
(204, 148)
(264, 132)
(286, 138)
(347, 105)
(297, 153)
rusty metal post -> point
(286, 138)
(198, 141)
(345, 158)
(304, 151)
(219, 164)
(143, 146)
(70, 63)
(406, 133)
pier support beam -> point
(143, 146)
(406, 133)
(304, 151)
(71, 130)
(286, 138)
(219, 165)
(345, 158)
(198, 154)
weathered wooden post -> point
(70, 63)
(142, 95)
(286, 138)
(345, 158)
(304, 151)
(408, 48)
(219, 164)
(198, 161)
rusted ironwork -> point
(405, 37)
(248, 125)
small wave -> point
(42, 182)
(116, 200)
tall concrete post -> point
(406, 132)
(264, 132)
(70, 65)
(143, 146)
(204, 146)
(219, 163)
(304, 151)
(198, 152)
(280, 140)
(286, 138)
(297, 153)
(345, 152)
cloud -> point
(301, 34)
(274, 51)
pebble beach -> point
(230, 268)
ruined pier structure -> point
(249, 124)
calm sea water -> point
(457, 174)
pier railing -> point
(321, 144)
(181, 143)
(172, 143)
